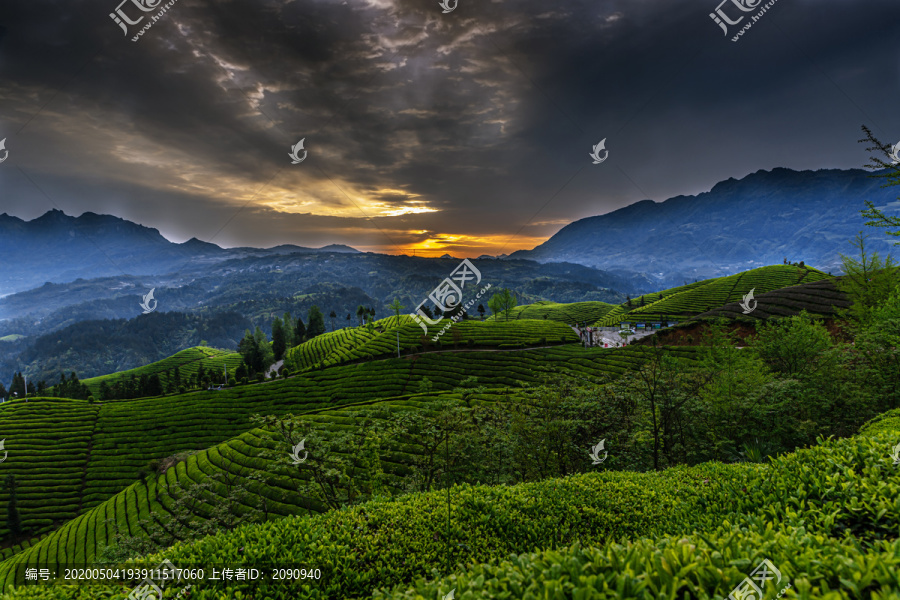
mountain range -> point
(762, 219)
(58, 248)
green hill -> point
(91, 452)
(187, 361)
(570, 314)
(361, 343)
(216, 427)
(678, 304)
(820, 298)
(693, 532)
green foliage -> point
(380, 339)
(696, 532)
(180, 369)
(795, 347)
(577, 312)
(279, 338)
(316, 322)
(502, 303)
(689, 300)
(13, 520)
(868, 278)
(185, 519)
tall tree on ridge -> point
(316, 322)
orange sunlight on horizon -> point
(462, 246)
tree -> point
(794, 347)
(13, 520)
(288, 324)
(254, 349)
(154, 385)
(332, 316)
(349, 317)
(868, 279)
(279, 343)
(481, 311)
(503, 302)
(316, 322)
(397, 307)
(876, 217)
(299, 332)
(360, 311)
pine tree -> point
(300, 332)
(316, 322)
(279, 344)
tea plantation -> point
(187, 362)
(361, 343)
(819, 298)
(570, 314)
(826, 517)
(687, 301)
(87, 453)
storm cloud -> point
(466, 132)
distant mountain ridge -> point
(739, 224)
(59, 248)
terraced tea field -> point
(94, 451)
(188, 362)
(129, 433)
(570, 314)
(358, 343)
(689, 301)
(819, 298)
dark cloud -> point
(451, 131)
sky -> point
(465, 132)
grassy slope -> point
(818, 298)
(91, 452)
(570, 314)
(358, 343)
(188, 362)
(827, 517)
(688, 301)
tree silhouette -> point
(397, 307)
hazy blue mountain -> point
(739, 224)
(59, 248)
